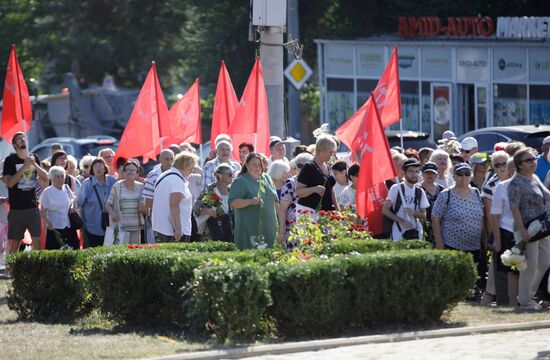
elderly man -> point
(223, 155)
(21, 171)
(166, 159)
(278, 150)
(108, 155)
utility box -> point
(269, 13)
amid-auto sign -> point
(431, 26)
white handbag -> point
(115, 236)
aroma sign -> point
(431, 26)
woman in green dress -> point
(253, 197)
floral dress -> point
(288, 193)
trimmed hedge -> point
(53, 284)
(230, 301)
(49, 284)
(368, 246)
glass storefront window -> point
(340, 101)
(481, 107)
(539, 104)
(409, 106)
(364, 88)
(426, 108)
(510, 104)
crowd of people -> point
(452, 196)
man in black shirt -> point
(20, 175)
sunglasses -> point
(86, 166)
(466, 151)
(130, 171)
(299, 166)
(530, 160)
(499, 165)
(463, 173)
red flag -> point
(225, 105)
(185, 118)
(388, 97)
(16, 108)
(376, 167)
(148, 122)
(251, 121)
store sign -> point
(539, 69)
(431, 26)
(408, 62)
(370, 61)
(472, 65)
(436, 63)
(527, 28)
(339, 59)
(509, 64)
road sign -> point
(298, 72)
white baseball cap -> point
(468, 143)
(448, 135)
(546, 140)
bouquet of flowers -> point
(211, 199)
(513, 258)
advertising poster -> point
(441, 108)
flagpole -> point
(17, 71)
(156, 101)
(401, 131)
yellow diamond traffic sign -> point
(298, 72)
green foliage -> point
(309, 297)
(371, 245)
(406, 287)
(230, 301)
(49, 285)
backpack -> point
(387, 223)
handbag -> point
(220, 228)
(115, 236)
(74, 219)
(104, 214)
(539, 226)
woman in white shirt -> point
(55, 202)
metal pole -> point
(401, 131)
(271, 55)
(17, 71)
(294, 101)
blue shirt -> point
(88, 202)
(543, 166)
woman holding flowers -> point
(213, 203)
(254, 198)
(315, 182)
(528, 202)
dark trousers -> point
(64, 236)
(481, 264)
(94, 240)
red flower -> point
(291, 221)
(214, 197)
(322, 212)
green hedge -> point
(49, 284)
(143, 287)
(54, 285)
(368, 246)
(229, 301)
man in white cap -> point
(278, 149)
(543, 166)
(468, 147)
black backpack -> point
(387, 223)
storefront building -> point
(456, 73)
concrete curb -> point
(314, 345)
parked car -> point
(411, 139)
(531, 135)
(76, 147)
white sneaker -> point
(531, 306)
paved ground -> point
(507, 345)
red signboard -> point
(431, 26)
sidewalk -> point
(316, 345)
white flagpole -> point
(401, 131)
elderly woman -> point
(528, 202)
(457, 217)
(60, 158)
(254, 199)
(91, 200)
(443, 161)
(55, 203)
(286, 212)
(123, 203)
(279, 172)
(314, 184)
(213, 203)
(480, 169)
(173, 202)
(108, 155)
